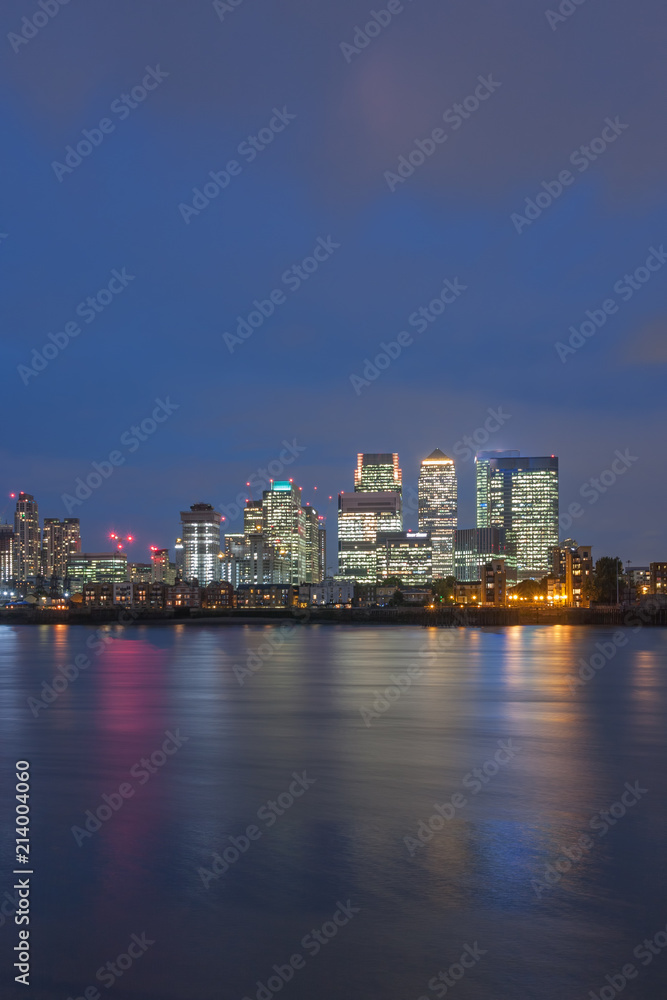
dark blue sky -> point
(323, 176)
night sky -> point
(222, 75)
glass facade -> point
(293, 530)
(377, 472)
(60, 540)
(201, 543)
(6, 553)
(474, 548)
(97, 567)
(438, 509)
(520, 495)
(407, 555)
(361, 516)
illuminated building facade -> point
(285, 527)
(179, 558)
(27, 537)
(201, 543)
(377, 472)
(96, 567)
(252, 517)
(572, 565)
(60, 540)
(494, 582)
(315, 568)
(251, 559)
(438, 509)
(361, 516)
(6, 553)
(407, 555)
(473, 548)
(658, 576)
(520, 495)
(161, 571)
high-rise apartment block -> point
(438, 509)
(201, 543)
(6, 553)
(27, 538)
(520, 495)
(60, 540)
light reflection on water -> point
(300, 710)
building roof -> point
(437, 456)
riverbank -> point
(446, 617)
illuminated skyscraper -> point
(252, 517)
(284, 525)
(160, 568)
(406, 555)
(6, 553)
(60, 539)
(520, 495)
(201, 543)
(438, 509)
(377, 472)
(27, 560)
(315, 571)
(361, 516)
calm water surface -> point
(478, 881)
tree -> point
(397, 599)
(444, 590)
(530, 588)
(608, 579)
(391, 581)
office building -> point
(251, 559)
(284, 523)
(179, 558)
(60, 540)
(322, 543)
(201, 543)
(520, 495)
(377, 472)
(27, 538)
(361, 516)
(572, 565)
(96, 567)
(315, 569)
(6, 553)
(437, 497)
(328, 591)
(473, 549)
(253, 517)
(407, 555)
(139, 572)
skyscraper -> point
(252, 517)
(26, 538)
(438, 509)
(377, 472)
(6, 553)
(60, 539)
(284, 525)
(160, 568)
(201, 543)
(520, 495)
(361, 516)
